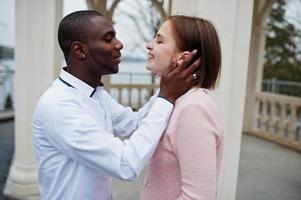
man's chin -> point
(115, 70)
(111, 70)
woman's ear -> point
(184, 55)
(181, 57)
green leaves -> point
(283, 46)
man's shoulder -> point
(56, 94)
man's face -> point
(103, 46)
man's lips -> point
(118, 58)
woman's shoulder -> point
(196, 98)
(198, 103)
(200, 107)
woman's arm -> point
(196, 150)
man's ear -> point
(78, 50)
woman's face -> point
(161, 49)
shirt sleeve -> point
(124, 119)
(196, 151)
(83, 139)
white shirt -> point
(74, 129)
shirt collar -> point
(72, 81)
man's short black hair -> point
(73, 27)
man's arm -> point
(124, 119)
(83, 139)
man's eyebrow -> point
(109, 33)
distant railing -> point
(133, 89)
(133, 95)
(279, 119)
(275, 86)
(6, 94)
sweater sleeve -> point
(196, 151)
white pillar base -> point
(22, 183)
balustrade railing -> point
(279, 119)
(133, 95)
(6, 89)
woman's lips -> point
(150, 56)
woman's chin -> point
(149, 68)
(156, 72)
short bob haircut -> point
(196, 33)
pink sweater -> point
(187, 161)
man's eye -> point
(108, 39)
(158, 41)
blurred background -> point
(259, 93)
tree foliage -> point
(144, 19)
(283, 46)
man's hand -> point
(180, 78)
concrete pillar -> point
(233, 20)
(38, 61)
(262, 10)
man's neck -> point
(89, 79)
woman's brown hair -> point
(196, 33)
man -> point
(76, 121)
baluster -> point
(272, 118)
(262, 115)
(298, 126)
(267, 116)
(256, 124)
(150, 91)
(139, 97)
(124, 96)
(282, 122)
(292, 124)
(119, 94)
(129, 89)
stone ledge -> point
(6, 115)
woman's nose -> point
(149, 45)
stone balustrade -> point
(278, 119)
(133, 95)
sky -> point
(7, 23)
(294, 12)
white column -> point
(37, 59)
(233, 20)
(262, 10)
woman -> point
(187, 161)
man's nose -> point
(118, 45)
